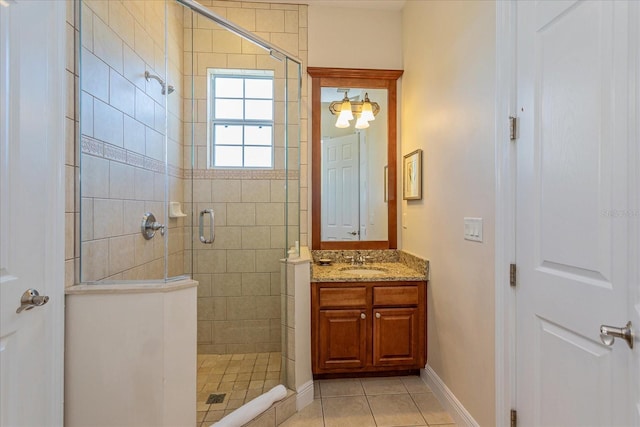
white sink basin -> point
(363, 271)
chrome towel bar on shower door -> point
(212, 234)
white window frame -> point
(212, 121)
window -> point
(241, 118)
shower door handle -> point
(212, 235)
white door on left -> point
(32, 118)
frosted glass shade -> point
(362, 123)
(367, 111)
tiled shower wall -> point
(239, 296)
(123, 138)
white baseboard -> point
(447, 399)
(304, 395)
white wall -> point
(448, 95)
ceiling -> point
(362, 4)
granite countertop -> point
(392, 271)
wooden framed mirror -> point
(372, 227)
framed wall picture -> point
(412, 176)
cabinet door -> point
(342, 339)
(396, 336)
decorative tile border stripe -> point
(241, 174)
(108, 151)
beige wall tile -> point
(108, 125)
(133, 212)
(256, 330)
(241, 214)
(95, 75)
(256, 191)
(121, 93)
(121, 253)
(246, 18)
(269, 214)
(267, 307)
(206, 263)
(270, 20)
(121, 181)
(96, 183)
(268, 260)
(95, 256)
(154, 144)
(228, 332)
(202, 40)
(241, 261)
(133, 64)
(144, 108)
(256, 284)
(241, 61)
(121, 21)
(226, 190)
(69, 244)
(241, 308)
(107, 218)
(86, 227)
(226, 42)
(209, 60)
(212, 309)
(226, 285)
(87, 27)
(144, 44)
(226, 237)
(202, 190)
(86, 106)
(256, 237)
(286, 41)
(107, 45)
(99, 7)
(205, 331)
(277, 191)
(134, 135)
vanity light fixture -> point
(365, 111)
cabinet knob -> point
(377, 315)
(363, 316)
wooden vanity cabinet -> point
(368, 327)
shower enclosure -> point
(190, 130)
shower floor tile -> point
(240, 377)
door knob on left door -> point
(608, 334)
(31, 298)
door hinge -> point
(513, 128)
(514, 418)
(512, 275)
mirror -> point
(351, 209)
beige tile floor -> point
(375, 402)
(241, 377)
(364, 402)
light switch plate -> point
(473, 229)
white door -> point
(340, 188)
(577, 211)
(31, 210)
